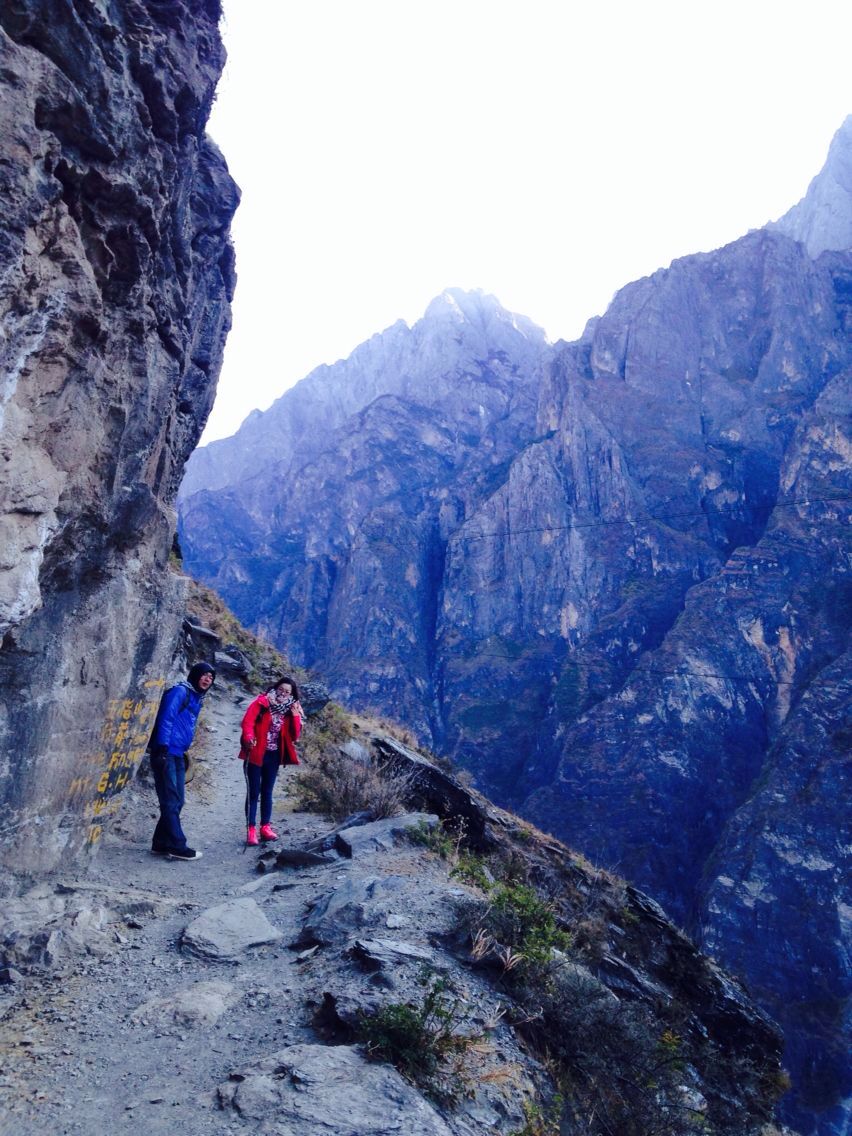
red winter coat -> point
(256, 723)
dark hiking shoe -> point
(184, 854)
(159, 851)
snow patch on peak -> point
(461, 305)
(451, 302)
(482, 309)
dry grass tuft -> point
(212, 612)
(397, 732)
(338, 785)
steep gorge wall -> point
(334, 545)
(683, 543)
(116, 274)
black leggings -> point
(260, 781)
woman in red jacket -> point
(270, 728)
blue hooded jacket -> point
(177, 716)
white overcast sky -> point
(546, 152)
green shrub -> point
(433, 837)
(617, 1072)
(541, 1120)
(327, 732)
(466, 866)
(471, 869)
(336, 785)
(520, 919)
(424, 1042)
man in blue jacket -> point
(174, 730)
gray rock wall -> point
(116, 274)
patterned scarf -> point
(278, 709)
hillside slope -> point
(340, 952)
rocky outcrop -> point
(116, 274)
(311, 1088)
(823, 218)
(781, 874)
(224, 933)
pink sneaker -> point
(251, 836)
(267, 832)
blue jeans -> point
(169, 780)
(260, 781)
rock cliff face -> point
(336, 549)
(614, 613)
(823, 218)
(116, 274)
(719, 769)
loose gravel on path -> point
(79, 1057)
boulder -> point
(232, 662)
(308, 1090)
(356, 902)
(388, 954)
(199, 1005)
(381, 835)
(224, 932)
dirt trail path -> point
(78, 1057)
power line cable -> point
(649, 519)
(458, 536)
(639, 671)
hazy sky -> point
(547, 152)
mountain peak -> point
(479, 308)
(456, 303)
(823, 218)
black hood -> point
(196, 671)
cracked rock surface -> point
(116, 276)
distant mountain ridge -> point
(613, 578)
(399, 360)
